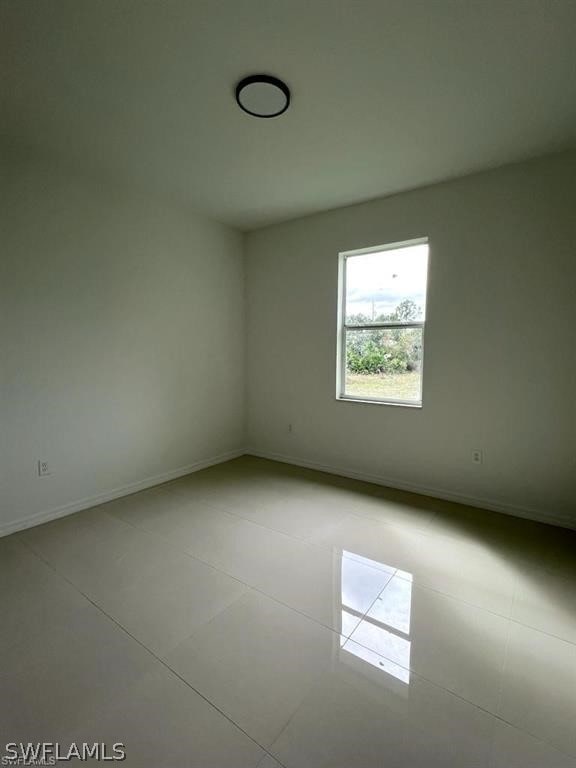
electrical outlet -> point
(43, 468)
(477, 456)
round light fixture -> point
(263, 96)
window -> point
(381, 323)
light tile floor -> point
(257, 614)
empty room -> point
(288, 383)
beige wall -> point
(500, 351)
(121, 340)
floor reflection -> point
(383, 626)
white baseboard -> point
(439, 493)
(92, 501)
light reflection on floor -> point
(385, 625)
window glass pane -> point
(384, 364)
(387, 285)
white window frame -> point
(343, 327)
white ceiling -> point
(387, 94)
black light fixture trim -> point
(270, 80)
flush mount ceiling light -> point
(262, 96)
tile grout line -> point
(424, 531)
(306, 616)
(328, 548)
(155, 656)
(248, 586)
(503, 672)
(509, 619)
(392, 524)
(488, 712)
(348, 638)
(379, 494)
(324, 548)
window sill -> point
(368, 401)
